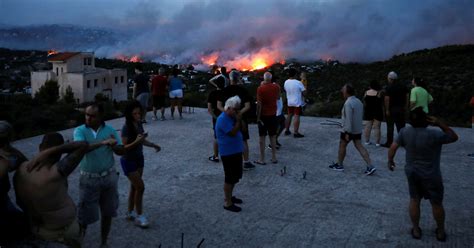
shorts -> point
(294, 110)
(69, 235)
(352, 136)
(269, 125)
(159, 101)
(132, 165)
(143, 99)
(431, 188)
(97, 193)
(245, 130)
(373, 115)
(232, 168)
(176, 94)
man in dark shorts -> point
(352, 113)
(231, 145)
(236, 90)
(215, 112)
(396, 103)
(423, 152)
(267, 96)
(159, 91)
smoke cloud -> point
(232, 31)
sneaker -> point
(370, 170)
(378, 145)
(270, 147)
(233, 208)
(154, 118)
(131, 215)
(214, 159)
(162, 118)
(337, 167)
(298, 135)
(249, 166)
(141, 221)
(278, 145)
(287, 132)
(368, 143)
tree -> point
(69, 96)
(48, 93)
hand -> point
(109, 142)
(140, 138)
(391, 165)
(157, 148)
(346, 137)
(432, 120)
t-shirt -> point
(102, 158)
(293, 89)
(398, 95)
(421, 98)
(141, 80)
(227, 144)
(176, 83)
(423, 149)
(267, 95)
(158, 85)
(212, 99)
(137, 151)
(352, 115)
(235, 90)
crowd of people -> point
(95, 143)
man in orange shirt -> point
(267, 96)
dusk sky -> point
(186, 30)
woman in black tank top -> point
(373, 112)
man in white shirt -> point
(295, 91)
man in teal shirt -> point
(98, 182)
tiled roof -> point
(62, 56)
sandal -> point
(260, 163)
(440, 238)
(214, 159)
(413, 235)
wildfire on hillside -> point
(246, 62)
(52, 52)
(134, 58)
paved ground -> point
(327, 209)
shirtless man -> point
(42, 190)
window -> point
(95, 82)
(62, 70)
(89, 61)
(88, 84)
(121, 79)
(85, 61)
(116, 80)
(57, 71)
(104, 80)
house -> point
(77, 70)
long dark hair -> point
(130, 120)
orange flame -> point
(52, 52)
(210, 59)
(133, 59)
(260, 60)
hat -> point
(392, 75)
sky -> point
(229, 31)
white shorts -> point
(176, 94)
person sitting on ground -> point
(373, 111)
(13, 222)
(231, 146)
(214, 111)
(41, 188)
(267, 96)
(422, 168)
(419, 96)
(159, 87)
(133, 139)
(176, 93)
(351, 130)
(295, 91)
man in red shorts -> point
(294, 92)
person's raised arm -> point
(39, 160)
(76, 152)
(453, 137)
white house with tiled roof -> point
(77, 69)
